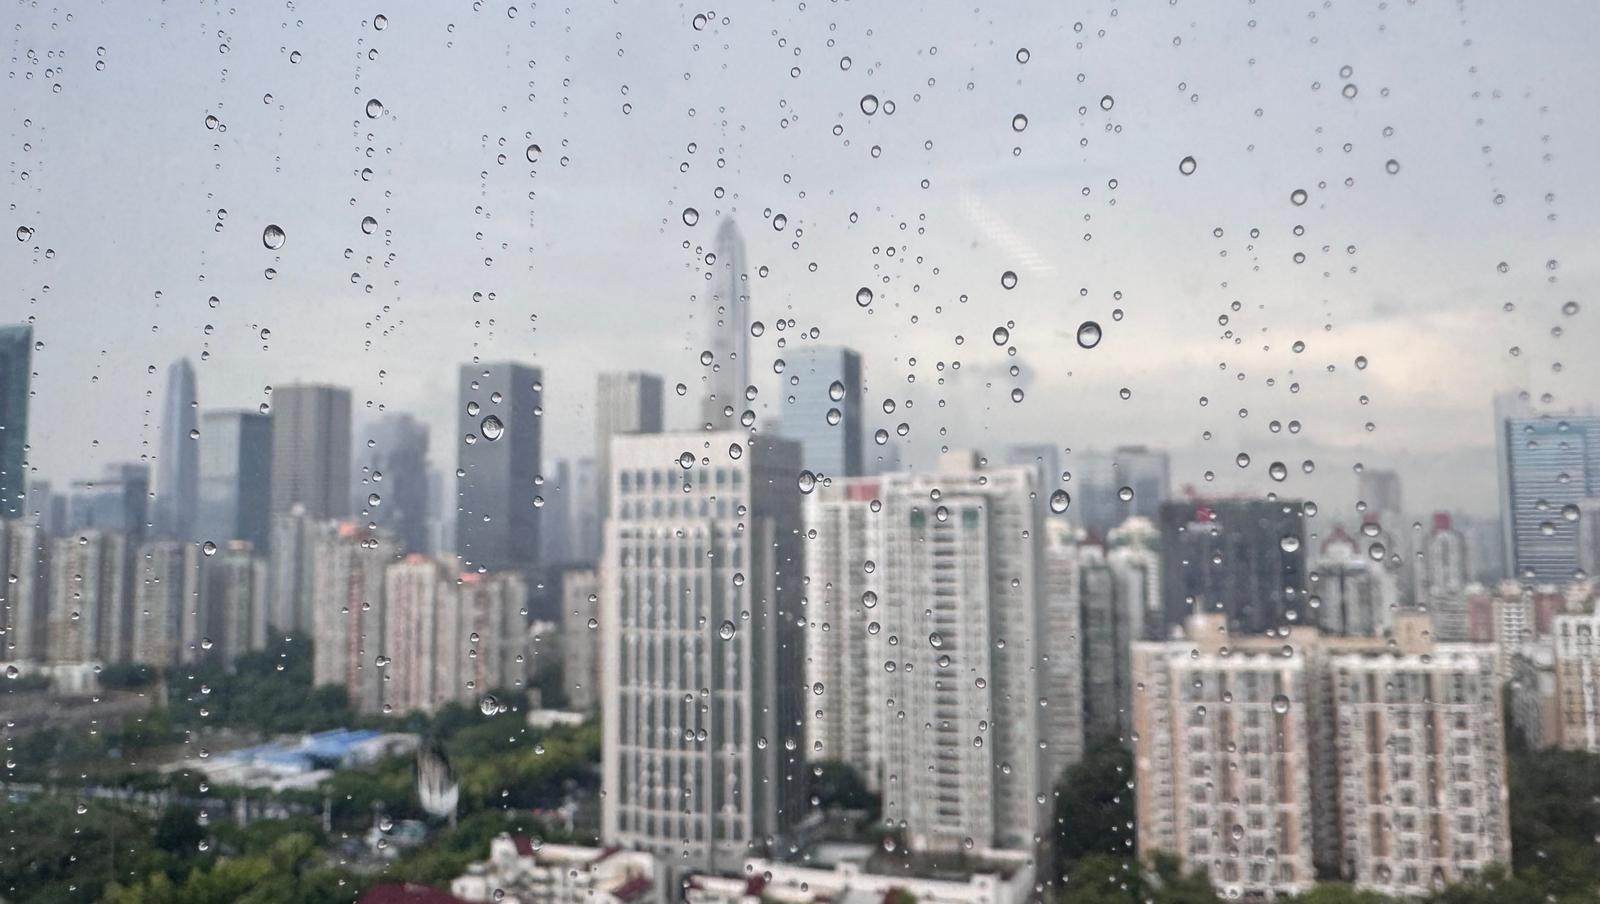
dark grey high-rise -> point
(16, 353)
(235, 478)
(498, 436)
(311, 450)
(822, 408)
(1241, 557)
(178, 469)
(394, 468)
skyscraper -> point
(291, 570)
(24, 600)
(961, 591)
(232, 617)
(165, 603)
(16, 353)
(391, 488)
(624, 403)
(1242, 557)
(119, 501)
(822, 408)
(235, 478)
(1553, 467)
(347, 611)
(499, 436)
(700, 646)
(1380, 490)
(1061, 671)
(89, 610)
(178, 468)
(580, 639)
(1347, 592)
(1111, 487)
(727, 312)
(311, 450)
(844, 653)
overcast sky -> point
(581, 261)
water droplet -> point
(735, 451)
(686, 460)
(1008, 279)
(1186, 166)
(24, 233)
(273, 237)
(1392, 167)
(699, 22)
(869, 104)
(1289, 543)
(863, 296)
(488, 705)
(1277, 471)
(936, 640)
(1107, 102)
(1059, 500)
(1361, 362)
(209, 548)
(1088, 334)
(1298, 197)
(491, 428)
(1125, 494)
(374, 108)
(807, 481)
(1019, 122)
(727, 630)
(1242, 459)
(690, 216)
(368, 224)
(1001, 335)
(1022, 54)
(380, 22)
(533, 153)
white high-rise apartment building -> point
(1379, 758)
(1061, 652)
(1576, 639)
(960, 605)
(88, 616)
(846, 646)
(701, 649)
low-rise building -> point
(521, 870)
(1007, 878)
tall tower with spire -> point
(178, 469)
(728, 310)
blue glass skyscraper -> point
(822, 408)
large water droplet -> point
(491, 428)
(1001, 335)
(863, 296)
(374, 108)
(869, 104)
(273, 237)
(807, 481)
(1059, 500)
(1186, 166)
(1019, 122)
(690, 216)
(488, 705)
(1088, 334)
(1008, 279)
(727, 630)
(1298, 197)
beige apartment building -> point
(1271, 760)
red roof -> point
(524, 845)
(406, 893)
(633, 888)
(754, 887)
